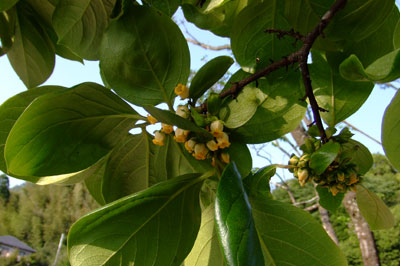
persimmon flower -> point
(200, 151)
(217, 128)
(334, 190)
(223, 141)
(167, 129)
(181, 135)
(353, 179)
(212, 145)
(225, 157)
(151, 119)
(159, 138)
(302, 175)
(182, 90)
(182, 111)
(189, 145)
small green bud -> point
(213, 104)
(294, 160)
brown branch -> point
(209, 47)
(300, 56)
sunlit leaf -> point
(361, 156)
(257, 185)
(327, 200)
(157, 226)
(144, 56)
(235, 225)
(240, 154)
(322, 158)
(373, 209)
(390, 131)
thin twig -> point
(209, 47)
(307, 201)
(362, 132)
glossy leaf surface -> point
(340, 97)
(390, 131)
(80, 25)
(208, 75)
(257, 185)
(373, 209)
(68, 131)
(235, 225)
(322, 158)
(144, 56)
(157, 226)
(240, 154)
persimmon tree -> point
(185, 194)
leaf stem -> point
(284, 166)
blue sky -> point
(68, 73)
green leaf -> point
(373, 209)
(168, 7)
(396, 36)
(206, 249)
(340, 97)
(291, 236)
(240, 154)
(136, 164)
(68, 131)
(32, 54)
(327, 200)
(280, 112)
(80, 25)
(360, 156)
(170, 118)
(252, 47)
(384, 69)
(235, 225)
(7, 4)
(208, 75)
(157, 226)
(11, 109)
(257, 185)
(390, 131)
(144, 56)
(322, 158)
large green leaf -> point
(373, 209)
(32, 54)
(340, 97)
(240, 154)
(280, 112)
(253, 49)
(257, 185)
(235, 225)
(390, 131)
(291, 236)
(208, 75)
(396, 36)
(157, 226)
(327, 200)
(384, 69)
(68, 131)
(11, 109)
(322, 158)
(7, 4)
(136, 164)
(80, 25)
(206, 250)
(168, 7)
(361, 156)
(144, 56)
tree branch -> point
(362, 132)
(209, 47)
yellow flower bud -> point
(353, 179)
(340, 176)
(223, 141)
(182, 90)
(167, 129)
(159, 138)
(151, 119)
(302, 175)
(181, 135)
(213, 164)
(334, 190)
(189, 145)
(200, 151)
(212, 145)
(182, 111)
(217, 128)
(225, 157)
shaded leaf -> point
(7, 4)
(327, 200)
(208, 75)
(240, 154)
(206, 249)
(234, 221)
(390, 131)
(340, 97)
(322, 158)
(384, 69)
(396, 36)
(373, 209)
(168, 7)
(80, 25)
(144, 56)
(257, 185)
(68, 131)
(157, 226)
(361, 156)
(32, 54)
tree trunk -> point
(365, 237)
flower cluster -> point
(340, 176)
